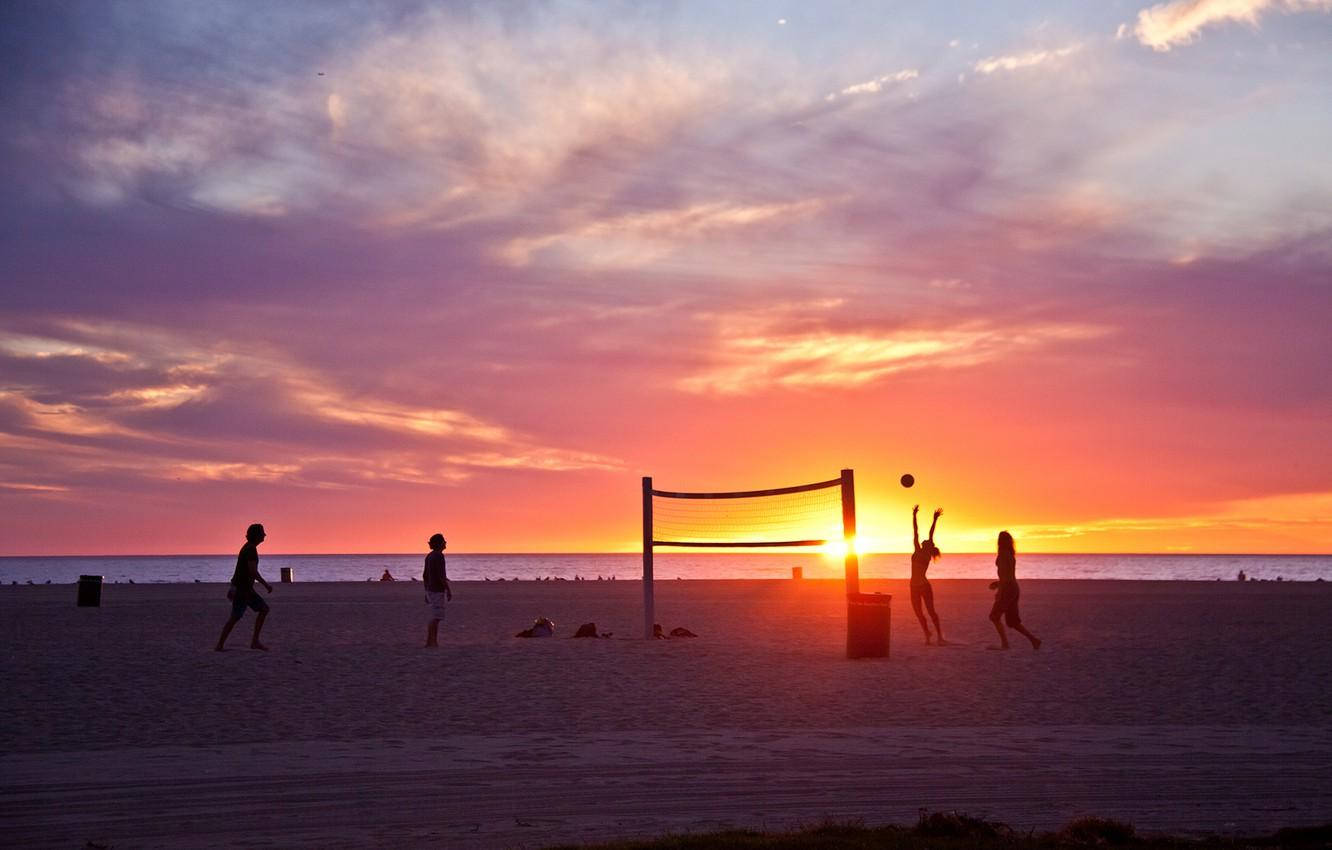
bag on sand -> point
(541, 627)
(678, 631)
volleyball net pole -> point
(779, 517)
(648, 612)
(849, 531)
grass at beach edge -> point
(956, 831)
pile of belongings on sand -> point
(541, 627)
(545, 627)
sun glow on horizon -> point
(839, 549)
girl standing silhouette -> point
(1006, 595)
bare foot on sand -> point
(942, 642)
(432, 646)
(258, 645)
(1036, 643)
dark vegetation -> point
(957, 831)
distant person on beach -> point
(387, 576)
(921, 592)
(437, 590)
(242, 593)
(1005, 608)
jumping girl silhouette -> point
(921, 592)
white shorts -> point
(434, 605)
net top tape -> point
(740, 544)
(749, 494)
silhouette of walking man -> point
(242, 594)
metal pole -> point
(647, 558)
(849, 530)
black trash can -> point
(868, 620)
(287, 577)
(90, 591)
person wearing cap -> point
(437, 590)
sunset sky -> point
(365, 271)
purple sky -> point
(362, 271)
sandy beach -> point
(1190, 707)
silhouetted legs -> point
(238, 611)
(1005, 610)
(1022, 630)
(432, 634)
(226, 630)
(922, 599)
(259, 624)
(997, 617)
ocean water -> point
(218, 568)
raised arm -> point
(938, 512)
(915, 529)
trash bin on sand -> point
(90, 591)
(868, 620)
(287, 577)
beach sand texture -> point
(1177, 706)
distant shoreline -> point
(668, 566)
(668, 553)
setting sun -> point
(838, 549)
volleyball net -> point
(801, 515)
(804, 515)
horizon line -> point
(768, 553)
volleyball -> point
(908, 480)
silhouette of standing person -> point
(437, 590)
(921, 592)
(243, 595)
(1006, 595)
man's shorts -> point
(255, 603)
(434, 605)
(1006, 603)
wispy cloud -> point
(460, 120)
(1030, 59)
(22, 487)
(135, 419)
(875, 85)
(1168, 25)
(757, 362)
(638, 238)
